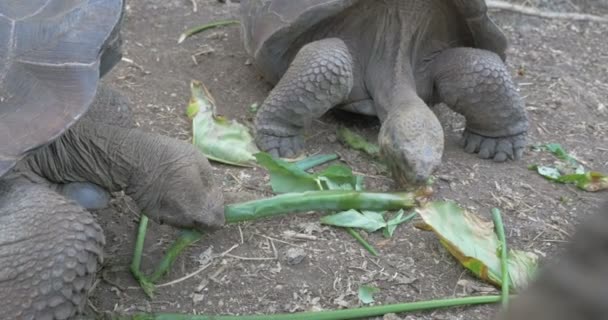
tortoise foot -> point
(499, 149)
(285, 147)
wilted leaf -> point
(218, 138)
(357, 142)
(571, 172)
(591, 181)
(473, 242)
(366, 294)
(367, 220)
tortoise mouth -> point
(411, 169)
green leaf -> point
(473, 242)
(286, 177)
(218, 138)
(357, 142)
(367, 220)
(548, 172)
(311, 162)
(366, 294)
(337, 177)
(557, 150)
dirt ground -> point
(561, 67)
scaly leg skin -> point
(50, 249)
(319, 78)
(185, 239)
(476, 84)
(109, 107)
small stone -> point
(391, 316)
(295, 255)
(332, 138)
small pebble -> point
(295, 255)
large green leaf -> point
(474, 243)
(218, 138)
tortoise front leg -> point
(49, 252)
(476, 84)
(319, 78)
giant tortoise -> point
(390, 59)
(58, 158)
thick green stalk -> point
(314, 161)
(356, 313)
(504, 260)
(317, 201)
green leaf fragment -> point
(218, 138)
(366, 294)
(286, 177)
(392, 224)
(192, 31)
(357, 142)
(473, 242)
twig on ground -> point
(201, 269)
(502, 5)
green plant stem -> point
(314, 161)
(355, 313)
(317, 201)
(504, 260)
(145, 284)
(192, 31)
(186, 238)
(262, 208)
(362, 241)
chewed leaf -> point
(473, 242)
(218, 138)
(366, 294)
(367, 220)
(357, 142)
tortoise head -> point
(411, 144)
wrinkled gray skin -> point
(50, 246)
(575, 285)
(389, 59)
